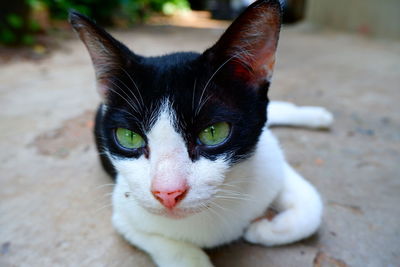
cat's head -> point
(174, 125)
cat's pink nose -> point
(170, 199)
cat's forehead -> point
(181, 77)
(172, 60)
(176, 68)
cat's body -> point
(185, 137)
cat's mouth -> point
(176, 213)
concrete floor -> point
(55, 208)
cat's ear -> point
(108, 55)
(247, 48)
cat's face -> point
(174, 115)
(173, 125)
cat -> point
(185, 137)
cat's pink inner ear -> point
(250, 42)
(103, 89)
(254, 70)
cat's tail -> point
(287, 114)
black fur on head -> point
(228, 82)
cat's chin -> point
(177, 213)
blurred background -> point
(343, 55)
(40, 23)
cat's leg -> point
(165, 252)
(300, 210)
(288, 114)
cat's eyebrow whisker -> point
(137, 103)
(129, 103)
(200, 106)
(212, 76)
(209, 80)
(193, 94)
(137, 88)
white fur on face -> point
(168, 165)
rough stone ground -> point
(54, 208)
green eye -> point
(215, 134)
(129, 139)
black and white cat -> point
(185, 137)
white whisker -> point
(129, 90)
(198, 109)
(193, 94)
(128, 102)
(102, 208)
(103, 185)
(137, 88)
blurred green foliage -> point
(19, 26)
(139, 10)
(100, 10)
(16, 26)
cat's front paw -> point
(186, 257)
(285, 228)
(268, 233)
